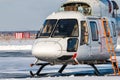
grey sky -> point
(25, 14)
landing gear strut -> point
(62, 68)
(43, 65)
(39, 70)
(96, 70)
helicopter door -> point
(84, 48)
(95, 45)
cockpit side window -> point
(72, 45)
(94, 30)
(84, 33)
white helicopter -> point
(79, 33)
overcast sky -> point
(26, 14)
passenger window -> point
(94, 31)
(84, 33)
(114, 30)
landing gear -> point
(39, 70)
(96, 70)
(42, 65)
(62, 68)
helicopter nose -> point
(47, 50)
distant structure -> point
(21, 35)
(17, 35)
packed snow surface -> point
(17, 68)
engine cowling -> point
(92, 8)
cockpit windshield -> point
(60, 28)
(48, 28)
(66, 28)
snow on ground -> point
(15, 47)
(17, 68)
(73, 78)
